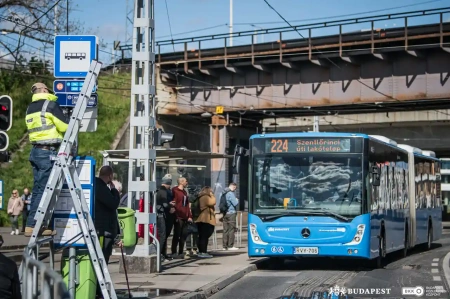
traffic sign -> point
(69, 86)
(73, 55)
(70, 99)
(219, 109)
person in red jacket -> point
(183, 215)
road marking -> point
(436, 278)
(434, 264)
(434, 271)
(436, 260)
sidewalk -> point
(20, 241)
(12, 242)
(192, 278)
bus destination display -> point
(308, 145)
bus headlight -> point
(255, 236)
(358, 235)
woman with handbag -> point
(15, 207)
(206, 221)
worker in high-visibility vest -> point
(46, 124)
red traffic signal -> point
(6, 110)
(4, 141)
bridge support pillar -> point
(218, 138)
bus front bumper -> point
(311, 250)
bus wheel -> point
(379, 261)
(429, 238)
(405, 250)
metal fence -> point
(38, 279)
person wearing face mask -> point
(46, 125)
(107, 200)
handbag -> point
(10, 211)
(191, 228)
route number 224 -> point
(279, 146)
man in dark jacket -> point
(164, 207)
(183, 214)
(9, 277)
(107, 201)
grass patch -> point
(113, 109)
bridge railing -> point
(190, 48)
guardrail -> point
(38, 279)
(406, 17)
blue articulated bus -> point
(339, 195)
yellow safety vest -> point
(45, 120)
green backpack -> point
(195, 207)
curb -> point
(446, 268)
(221, 283)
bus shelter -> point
(179, 162)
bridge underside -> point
(339, 78)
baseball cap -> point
(39, 86)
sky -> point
(196, 15)
(188, 18)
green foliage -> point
(113, 106)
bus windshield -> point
(322, 182)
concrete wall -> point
(402, 76)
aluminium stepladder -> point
(64, 171)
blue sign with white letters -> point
(69, 86)
(70, 99)
(73, 55)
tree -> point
(37, 20)
(38, 66)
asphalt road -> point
(420, 268)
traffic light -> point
(4, 141)
(159, 138)
(6, 109)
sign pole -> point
(316, 124)
(73, 54)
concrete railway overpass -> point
(378, 78)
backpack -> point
(223, 205)
(195, 207)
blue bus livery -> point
(339, 195)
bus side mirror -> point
(376, 173)
(239, 151)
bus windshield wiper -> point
(322, 211)
(288, 214)
(306, 212)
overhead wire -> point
(342, 15)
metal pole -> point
(67, 17)
(316, 124)
(72, 271)
(143, 124)
(55, 20)
(231, 23)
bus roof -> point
(307, 134)
(426, 157)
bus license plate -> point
(306, 250)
